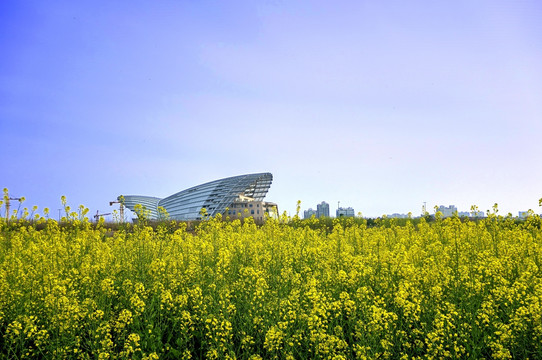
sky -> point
(379, 105)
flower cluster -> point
(450, 288)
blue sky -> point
(381, 105)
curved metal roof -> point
(214, 196)
(150, 203)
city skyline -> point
(380, 105)
(446, 211)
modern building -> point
(397, 216)
(477, 214)
(322, 210)
(225, 196)
(447, 211)
(307, 214)
(345, 212)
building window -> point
(250, 205)
(252, 212)
(258, 211)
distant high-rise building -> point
(477, 214)
(345, 212)
(322, 209)
(308, 213)
(398, 216)
(447, 211)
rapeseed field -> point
(289, 289)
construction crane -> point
(121, 209)
(8, 199)
(97, 216)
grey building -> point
(322, 209)
(345, 212)
(447, 211)
(307, 214)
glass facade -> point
(214, 196)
